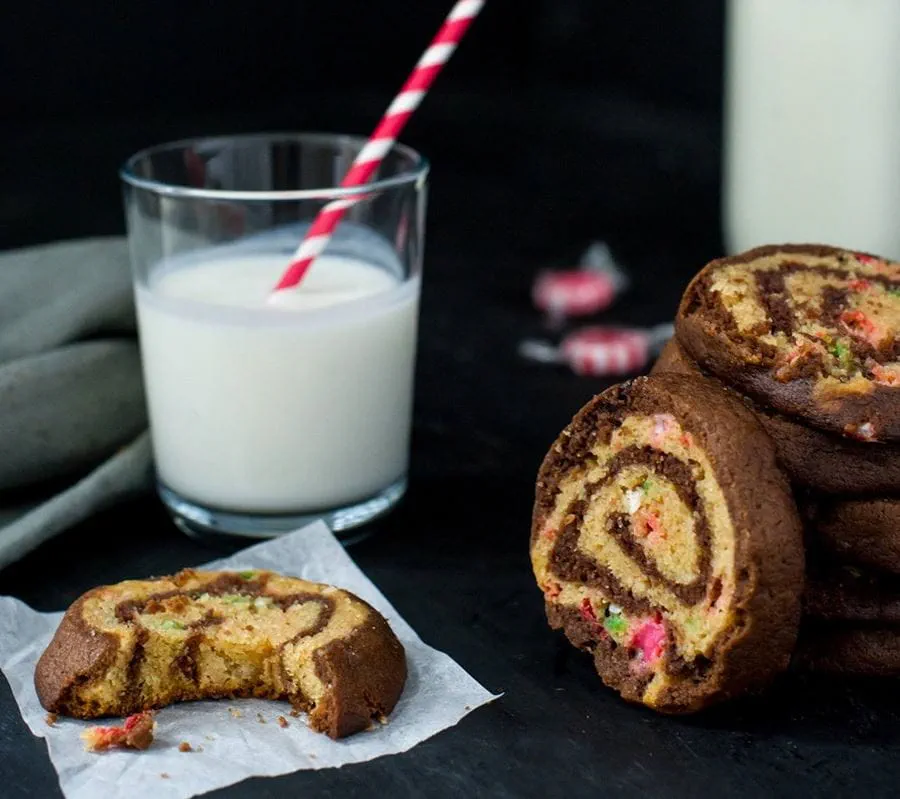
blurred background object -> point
(813, 124)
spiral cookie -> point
(141, 644)
(824, 461)
(666, 543)
(808, 330)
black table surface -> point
(453, 559)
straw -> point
(380, 142)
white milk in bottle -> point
(812, 132)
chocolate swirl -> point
(570, 563)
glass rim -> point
(417, 172)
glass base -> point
(349, 523)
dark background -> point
(557, 122)
(580, 117)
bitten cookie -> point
(808, 330)
(864, 531)
(666, 543)
(142, 644)
(827, 462)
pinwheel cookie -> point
(666, 543)
(807, 330)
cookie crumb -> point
(164, 776)
(51, 719)
(135, 733)
(295, 713)
(283, 722)
(260, 719)
(184, 746)
(235, 713)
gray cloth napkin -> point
(72, 414)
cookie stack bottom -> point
(852, 599)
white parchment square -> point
(437, 695)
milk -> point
(812, 135)
(278, 408)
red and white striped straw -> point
(380, 142)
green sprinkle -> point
(615, 625)
(843, 353)
(171, 624)
(646, 485)
(894, 292)
(233, 599)
(246, 575)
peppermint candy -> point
(590, 288)
(601, 351)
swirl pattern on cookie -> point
(665, 542)
(143, 644)
(809, 330)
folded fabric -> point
(59, 293)
(71, 392)
(64, 411)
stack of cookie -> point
(807, 336)
(697, 530)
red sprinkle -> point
(858, 322)
(884, 376)
(650, 639)
(648, 523)
(587, 611)
(860, 285)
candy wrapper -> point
(601, 351)
(584, 291)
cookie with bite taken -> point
(667, 545)
(142, 644)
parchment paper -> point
(237, 739)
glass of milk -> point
(265, 415)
